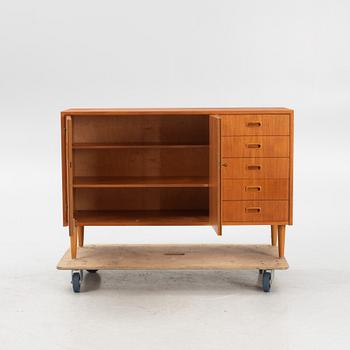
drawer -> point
(255, 211)
(255, 146)
(254, 189)
(255, 168)
(255, 124)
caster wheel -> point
(76, 282)
(92, 271)
(266, 281)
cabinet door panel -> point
(255, 146)
(215, 173)
(69, 169)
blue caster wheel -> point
(76, 282)
(266, 281)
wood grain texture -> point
(255, 168)
(161, 129)
(255, 146)
(159, 257)
(255, 124)
(256, 189)
(215, 174)
(142, 162)
(255, 211)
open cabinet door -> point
(69, 170)
(215, 173)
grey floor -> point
(308, 308)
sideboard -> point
(194, 166)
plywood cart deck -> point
(180, 257)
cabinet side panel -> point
(291, 160)
(64, 170)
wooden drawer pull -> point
(253, 189)
(253, 145)
(254, 167)
(224, 165)
(254, 124)
(253, 210)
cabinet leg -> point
(281, 239)
(81, 235)
(73, 235)
(274, 230)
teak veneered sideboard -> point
(228, 166)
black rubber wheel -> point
(266, 281)
(76, 282)
(92, 271)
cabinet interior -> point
(141, 170)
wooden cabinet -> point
(177, 167)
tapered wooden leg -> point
(73, 235)
(274, 230)
(81, 235)
(281, 239)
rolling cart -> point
(92, 258)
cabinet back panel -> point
(141, 162)
(141, 129)
(141, 199)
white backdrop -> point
(56, 55)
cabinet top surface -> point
(173, 111)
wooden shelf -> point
(133, 145)
(141, 218)
(139, 182)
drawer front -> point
(255, 146)
(254, 189)
(255, 211)
(255, 124)
(255, 168)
